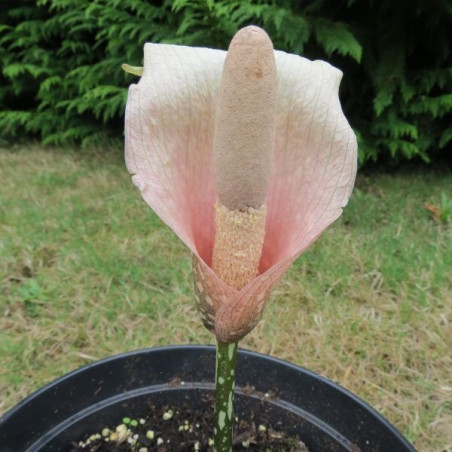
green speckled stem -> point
(224, 396)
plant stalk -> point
(226, 357)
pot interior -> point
(269, 391)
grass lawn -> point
(87, 270)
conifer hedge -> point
(61, 79)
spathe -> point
(169, 143)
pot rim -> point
(243, 353)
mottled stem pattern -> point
(224, 396)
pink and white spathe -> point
(169, 130)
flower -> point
(169, 129)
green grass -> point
(87, 271)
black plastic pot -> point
(324, 415)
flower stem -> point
(224, 396)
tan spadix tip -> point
(243, 149)
(245, 121)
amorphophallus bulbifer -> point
(253, 157)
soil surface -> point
(169, 429)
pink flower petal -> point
(169, 134)
(315, 158)
(169, 137)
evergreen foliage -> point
(61, 77)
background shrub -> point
(61, 79)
